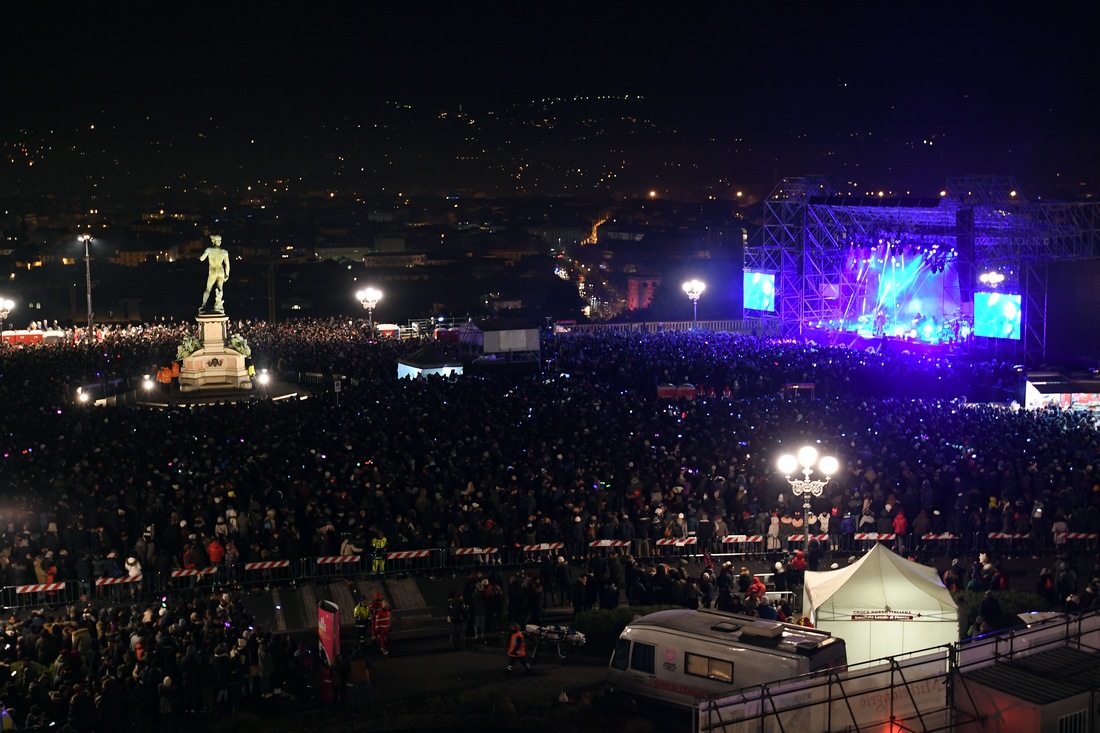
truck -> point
(680, 656)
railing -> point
(758, 327)
(924, 690)
(441, 560)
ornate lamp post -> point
(805, 486)
(694, 290)
(369, 297)
(5, 310)
(86, 239)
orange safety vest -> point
(382, 621)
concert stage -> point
(867, 342)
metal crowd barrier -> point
(536, 553)
(337, 566)
(675, 547)
(415, 561)
(467, 557)
(607, 548)
(266, 572)
(797, 541)
(280, 572)
(743, 544)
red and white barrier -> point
(679, 542)
(337, 559)
(802, 538)
(39, 588)
(1074, 536)
(611, 543)
(116, 581)
(476, 551)
(875, 536)
(544, 547)
(267, 565)
(192, 572)
(941, 536)
(1008, 536)
(743, 539)
(408, 554)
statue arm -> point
(227, 266)
(202, 257)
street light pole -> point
(694, 290)
(369, 298)
(87, 238)
(805, 486)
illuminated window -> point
(1074, 723)
(713, 669)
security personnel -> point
(374, 607)
(378, 544)
(517, 649)
(362, 614)
(382, 627)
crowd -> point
(582, 450)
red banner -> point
(328, 635)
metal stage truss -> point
(812, 235)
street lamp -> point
(694, 289)
(5, 309)
(805, 486)
(369, 297)
(86, 239)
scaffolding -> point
(809, 229)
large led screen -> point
(759, 291)
(997, 315)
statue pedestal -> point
(214, 367)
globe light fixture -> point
(805, 487)
(369, 298)
(694, 290)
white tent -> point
(426, 362)
(882, 605)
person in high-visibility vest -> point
(517, 649)
(362, 614)
(378, 544)
(382, 627)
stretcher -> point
(562, 637)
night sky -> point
(886, 95)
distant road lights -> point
(992, 278)
(86, 239)
(5, 310)
(264, 377)
(806, 487)
(694, 290)
(147, 382)
(369, 298)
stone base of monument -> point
(214, 367)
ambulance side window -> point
(642, 657)
(621, 658)
(713, 669)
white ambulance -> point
(682, 655)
